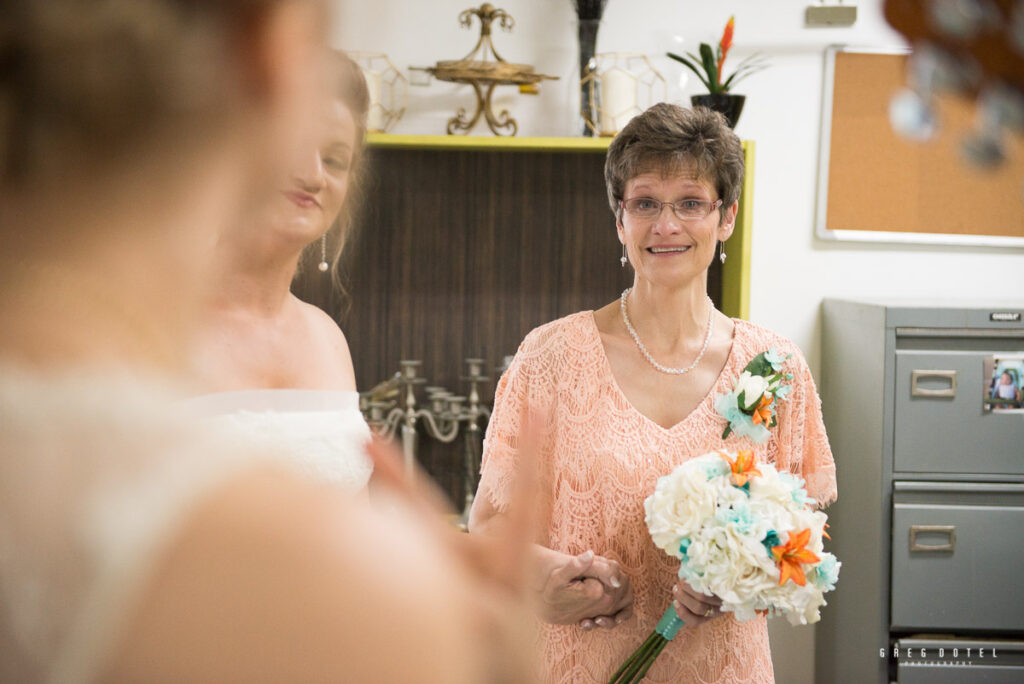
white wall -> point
(791, 269)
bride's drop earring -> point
(323, 266)
(721, 256)
(624, 260)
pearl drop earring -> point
(624, 260)
(323, 265)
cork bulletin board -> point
(876, 186)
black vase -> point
(588, 43)
(726, 103)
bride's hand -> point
(585, 589)
(497, 565)
(501, 559)
(694, 607)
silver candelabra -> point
(391, 407)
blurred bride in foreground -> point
(134, 547)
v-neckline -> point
(726, 372)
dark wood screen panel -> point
(460, 253)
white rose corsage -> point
(750, 407)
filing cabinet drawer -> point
(956, 556)
(941, 425)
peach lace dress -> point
(602, 458)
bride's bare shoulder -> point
(328, 349)
(319, 321)
(276, 579)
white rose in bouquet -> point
(681, 501)
(770, 487)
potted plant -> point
(708, 67)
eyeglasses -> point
(685, 210)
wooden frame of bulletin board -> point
(876, 186)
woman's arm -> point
(587, 589)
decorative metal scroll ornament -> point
(484, 69)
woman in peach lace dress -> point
(628, 392)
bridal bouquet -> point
(744, 532)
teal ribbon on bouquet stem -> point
(637, 665)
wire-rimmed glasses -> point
(648, 208)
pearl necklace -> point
(647, 354)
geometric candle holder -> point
(624, 84)
(389, 90)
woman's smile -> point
(668, 250)
(301, 199)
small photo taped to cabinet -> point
(1004, 383)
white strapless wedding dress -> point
(320, 432)
(98, 471)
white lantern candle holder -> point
(624, 84)
(388, 88)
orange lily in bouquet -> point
(743, 467)
(792, 555)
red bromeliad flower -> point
(709, 61)
(790, 555)
(725, 44)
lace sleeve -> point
(498, 463)
(525, 388)
(810, 454)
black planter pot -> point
(728, 104)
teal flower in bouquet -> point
(826, 573)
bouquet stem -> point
(637, 665)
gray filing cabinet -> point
(929, 524)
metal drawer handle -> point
(949, 530)
(917, 375)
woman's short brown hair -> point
(667, 139)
